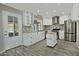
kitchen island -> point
(51, 39)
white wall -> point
(1, 32)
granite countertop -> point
(34, 31)
(50, 32)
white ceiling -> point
(44, 9)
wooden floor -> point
(63, 48)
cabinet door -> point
(27, 18)
(47, 21)
(27, 39)
(30, 18)
(32, 38)
(62, 19)
(44, 21)
(61, 34)
(41, 35)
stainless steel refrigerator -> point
(70, 30)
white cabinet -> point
(43, 35)
(47, 21)
(38, 20)
(31, 38)
(28, 18)
(61, 34)
(63, 18)
(50, 21)
(44, 21)
(26, 39)
(40, 35)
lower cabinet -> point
(39, 36)
(32, 38)
(61, 34)
(26, 39)
(42, 35)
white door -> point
(12, 29)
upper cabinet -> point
(63, 18)
(38, 22)
(47, 21)
(55, 20)
(28, 18)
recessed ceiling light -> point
(46, 12)
(38, 10)
(54, 10)
(63, 12)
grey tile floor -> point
(63, 48)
